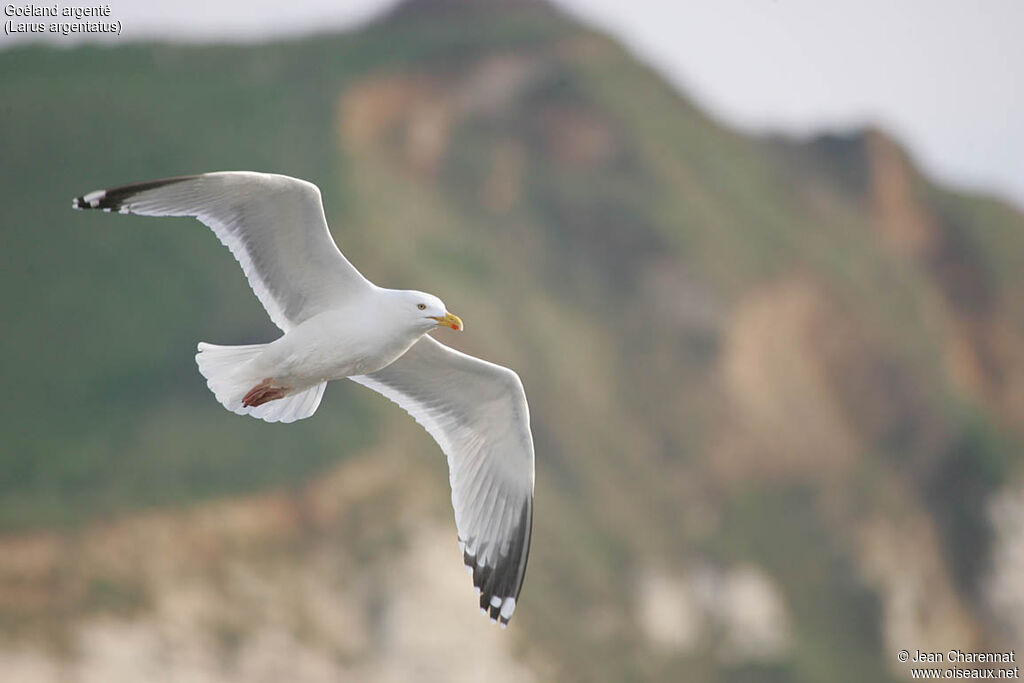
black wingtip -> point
(79, 203)
(499, 585)
(114, 199)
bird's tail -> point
(229, 375)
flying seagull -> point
(337, 324)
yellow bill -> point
(449, 320)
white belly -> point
(331, 346)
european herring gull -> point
(338, 324)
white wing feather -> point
(477, 413)
(273, 224)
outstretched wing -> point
(477, 413)
(274, 225)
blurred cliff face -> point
(776, 387)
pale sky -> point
(946, 77)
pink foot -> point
(262, 393)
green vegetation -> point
(596, 232)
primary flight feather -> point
(338, 324)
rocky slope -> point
(777, 386)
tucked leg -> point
(263, 392)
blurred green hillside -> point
(792, 365)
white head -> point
(425, 311)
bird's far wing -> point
(274, 225)
(477, 413)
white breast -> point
(333, 345)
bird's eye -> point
(422, 307)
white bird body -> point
(338, 324)
(328, 346)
